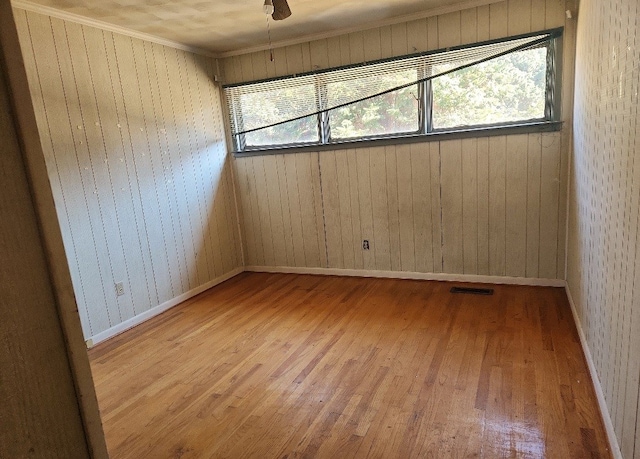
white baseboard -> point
(137, 320)
(604, 409)
(411, 275)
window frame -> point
(426, 131)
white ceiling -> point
(223, 26)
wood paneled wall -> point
(134, 142)
(439, 207)
(491, 206)
(604, 249)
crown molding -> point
(78, 19)
(458, 6)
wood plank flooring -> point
(289, 366)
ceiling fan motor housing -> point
(281, 10)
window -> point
(492, 84)
(390, 113)
(264, 103)
(507, 89)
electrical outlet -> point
(365, 244)
(119, 288)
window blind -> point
(271, 103)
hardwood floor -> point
(288, 366)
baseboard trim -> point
(140, 318)
(411, 275)
(604, 409)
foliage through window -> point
(497, 83)
(389, 113)
(503, 90)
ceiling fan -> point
(278, 9)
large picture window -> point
(493, 84)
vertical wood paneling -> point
(603, 245)
(421, 181)
(356, 47)
(469, 26)
(331, 204)
(483, 206)
(133, 140)
(392, 208)
(451, 206)
(153, 191)
(363, 160)
(216, 161)
(335, 58)
(295, 216)
(406, 216)
(472, 206)
(137, 162)
(102, 153)
(539, 18)
(399, 39)
(258, 66)
(316, 182)
(345, 50)
(497, 205)
(356, 227)
(246, 190)
(435, 181)
(161, 168)
(295, 61)
(549, 201)
(319, 55)
(519, 12)
(432, 32)
(172, 171)
(516, 205)
(246, 67)
(498, 19)
(349, 238)
(184, 181)
(80, 239)
(484, 23)
(417, 36)
(533, 204)
(449, 30)
(554, 10)
(307, 188)
(274, 206)
(278, 65)
(386, 42)
(287, 230)
(266, 221)
(372, 45)
(379, 204)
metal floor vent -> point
(472, 291)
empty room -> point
(286, 228)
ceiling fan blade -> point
(281, 10)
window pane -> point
(505, 89)
(299, 131)
(266, 107)
(392, 113)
